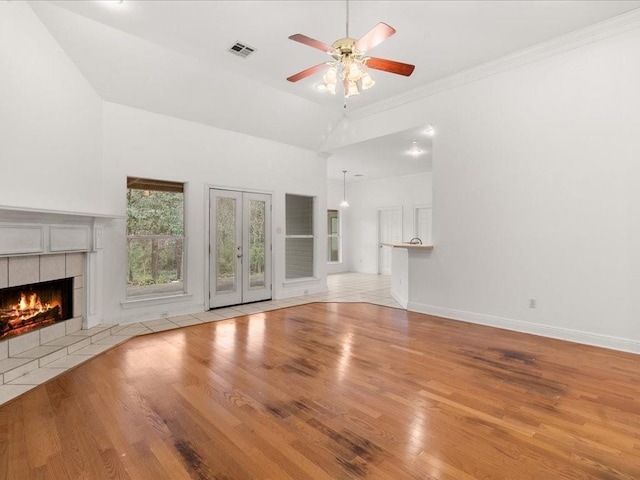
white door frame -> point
(207, 225)
(378, 233)
(428, 240)
(234, 296)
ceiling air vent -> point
(242, 50)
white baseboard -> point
(404, 302)
(587, 338)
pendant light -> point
(344, 203)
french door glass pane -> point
(256, 243)
(226, 245)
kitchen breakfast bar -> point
(403, 258)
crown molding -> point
(593, 33)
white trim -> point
(587, 338)
(158, 300)
(69, 238)
(593, 33)
(300, 281)
(39, 211)
(400, 299)
(22, 239)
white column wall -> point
(535, 195)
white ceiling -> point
(171, 57)
(383, 157)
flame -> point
(29, 302)
(30, 305)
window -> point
(333, 231)
(299, 239)
(155, 237)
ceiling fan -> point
(350, 60)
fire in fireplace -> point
(28, 307)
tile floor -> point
(85, 344)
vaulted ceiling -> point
(171, 57)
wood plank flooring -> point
(332, 391)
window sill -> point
(146, 301)
(300, 281)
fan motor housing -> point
(345, 47)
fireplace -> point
(28, 307)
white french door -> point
(239, 247)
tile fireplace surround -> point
(16, 271)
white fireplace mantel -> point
(36, 232)
(27, 231)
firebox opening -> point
(27, 307)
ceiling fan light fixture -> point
(344, 203)
(350, 59)
(331, 77)
(351, 89)
(367, 81)
(353, 71)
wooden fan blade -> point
(374, 37)
(298, 37)
(390, 66)
(306, 73)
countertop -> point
(410, 246)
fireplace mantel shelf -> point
(26, 211)
(30, 231)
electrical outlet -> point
(532, 303)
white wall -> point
(535, 195)
(50, 120)
(149, 145)
(365, 198)
(334, 197)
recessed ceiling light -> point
(415, 150)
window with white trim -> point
(155, 238)
(299, 237)
(334, 238)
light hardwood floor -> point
(332, 391)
